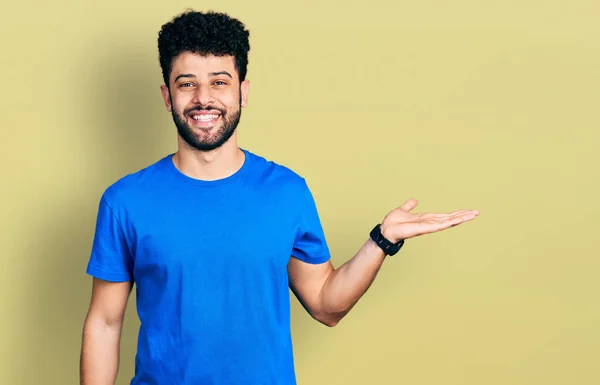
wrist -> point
(386, 232)
(384, 239)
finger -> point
(441, 216)
(464, 217)
(441, 222)
(465, 213)
(409, 204)
(433, 225)
(458, 212)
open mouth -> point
(204, 119)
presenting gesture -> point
(401, 224)
(329, 293)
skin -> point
(327, 293)
(204, 81)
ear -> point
(166, 97)
(244, 89)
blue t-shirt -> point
(209, 259)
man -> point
(214, 236)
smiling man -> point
(214, 237)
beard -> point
(229, 120)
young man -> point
(215, 235)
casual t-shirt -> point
(209, 260)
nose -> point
(203, 95)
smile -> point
(204, 117)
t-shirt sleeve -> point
(110, 259)
(311, 245)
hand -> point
(402, 224)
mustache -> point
(200, 108)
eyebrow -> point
(184, 76)
(211, 74)
(220, 73)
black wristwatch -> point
(388, 247)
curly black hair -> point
(204, 33)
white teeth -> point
(205, 118)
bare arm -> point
(99, 361)
(328, 294)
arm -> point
(328, 294)
(102, 332)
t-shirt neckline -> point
(233, 178)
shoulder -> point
(135, 184)
(275, 175)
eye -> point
(220, 83)
(185, 84)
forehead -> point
(201, 66)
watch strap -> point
(387, 246)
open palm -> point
(401, 223)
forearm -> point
(99, 353)
(347, 284)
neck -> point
(213, 165)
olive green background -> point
(487, 105)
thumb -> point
(409, 204)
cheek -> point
(232, 100)
(227, 97)
(179, 104)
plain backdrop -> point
(488, 105)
